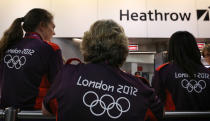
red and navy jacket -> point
(27, 70)
(99, 92)
(180, 91)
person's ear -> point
(41, 26)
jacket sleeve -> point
(159, 85)
(55, 64)
(155, 109)
(50, 100)
(56, 91)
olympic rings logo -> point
(14, 62)
(105, 106)
(193, 85)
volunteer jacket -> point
(27, 70)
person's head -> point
(36, 20)
(206, 53)
(40, 21)
(184, 51)
(105, 41)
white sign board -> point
(139, 18)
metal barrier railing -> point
(10, 114)
(186, 114)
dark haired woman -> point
(183, 83)
(98, 90)
(30, 63)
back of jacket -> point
(179, 91)
(27, 69)
(99, 92)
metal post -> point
(10, 114)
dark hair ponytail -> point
(11, 36)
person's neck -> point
(40, 33)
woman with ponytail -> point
(28, 62)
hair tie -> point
(22, 19)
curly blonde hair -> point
(105, 42)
